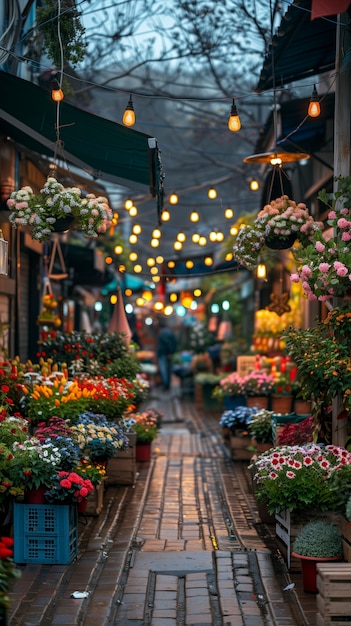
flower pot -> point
(35, 495)
(281, 404)
(143, 452)
(82, 506)
(260, 402)
(309, 570)
(63, 224)
(276, 242)
(302, 407)
(210, 403)
(232, 402)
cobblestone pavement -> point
(180, 547)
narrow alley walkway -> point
(180, 547)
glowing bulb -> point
(194, 216)
(202, 241)
(165, 216)
(156, 233)
(133, 256)
(178, 245)
(133, 211)
(212, 236)
(234, 123)
(220, 236)
(189, 264)
(208, 261)
(150, 261)
(195, 238)
(229, 213)
(233, 231)
(129, 115)
(137, 229)
(314, 108)
(56, 91)
(133, 239)
(138, 268)
(173, 198)
(254, 185)
(154, 243)
(128, 204)
(181, 237)
(212, 193)
(261, 271)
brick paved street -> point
(180, 547)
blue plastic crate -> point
(45, 533)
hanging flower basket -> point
(277, 226)
(57, 209)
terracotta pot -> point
(281, 404)
(261, 402)
(302, 407)
(309, 570)
(143, 452)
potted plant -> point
(260, 428)
(98, 438)
(278, 225)
(283, 394)
(68, 488)
(57, 207)
(207, 381)
(297, 477)
(231, 391)
(318, 541)
(145, 426)
(324, 266)
(258, 386)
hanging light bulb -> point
(129, 115)
(314, 108)
(261, 271)
(194, 216)
(56, 91)
(133, 211)
(195, 238)
(254, 184)
(212, 193)
(234, 123)
(173, 198)
(128, 204)
(165, 216)
(228, 213)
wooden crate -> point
(334, 589)
(244, 364)
(345, 528)
(95, 501)
(239, 444)
(121, 469)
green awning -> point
(102, 148)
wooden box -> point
(345, 528)
(95, 501)
(333, 599)
(241, 447)
(121, 469)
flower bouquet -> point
(42, 211)
(33, 463)
(57, 432)
(258, 383)
(324, 266)
(68, 488)
(282, 218)
(297, 477)
(8, 572)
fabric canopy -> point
(302, 48)
(101, 147)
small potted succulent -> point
(318, 541)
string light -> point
(229, 213)
(56, 91)
(194, 216)
(173, 198)
(133, 211)
(234, 123)
(261, 271)
(314, 108)
(118, 249)
(128, 204)
(212, 193)
(129, 114)
(165, 216)
(254, 184)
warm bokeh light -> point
(147, 295)
(138, 268)
(228, 213)
(189, 264)
(173, 297)
(197, 293)
(229, 256)
(261, 271)
(165, 216)
(154, 243)
(212, 236)
(220, 236)
(128, 204)
(177, 245)
(128, 292)
(171, 264)
(173, 198)
(254, 184)
(122, 268)
(133, 212)
(158, 306)
(159, 259)
(202, 241)
(186, 300)
(194, 216)
(233, 230)
(133, 239)
(156, 279)
(212, 193)
(168, 310)
(208, 261)
(118, 249)
(113, 298)
(156, 233)
(154, 270)
(195, 238)
(140, 302)
(181, 237)
(150, 261)
(133, 256)
(109, 260)
(137, 229)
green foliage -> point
(71, 31)
(260, 426)
(319, 539)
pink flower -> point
(290, 474)
(324, 267)
(345, 236)
(320, 247)
(331, 215)
(295, 278)
(65, 483)
(343, 223)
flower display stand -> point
(95, 500)
(121, 469)
(45, 533)
(333, 599)
(241, 447)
